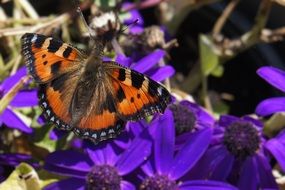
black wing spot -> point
(109, 104)
(122, 75)
(138, 96)
(45, 62)
(67, 52)
(132, 99)
(44, 55)
(120, 94)
(54, 45)
(58, 83)
(137, 80)
(39, 41)
(55, 67)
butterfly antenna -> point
(129, 25)
(79, 12)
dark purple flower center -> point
(184, 118)
(103, 177)
(241, 139)
(158, 182)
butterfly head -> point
(105, 25)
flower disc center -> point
(241, 139)
(184, 118)
(103, 177)
(158, 182)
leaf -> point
(105, 4)
(42, 139)
(218, 71)
(208, 55)
(24, 177)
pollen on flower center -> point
(158, 182)
(184, 118)
(103, 177)
(241, 139)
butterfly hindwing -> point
(137, 95)
(48, 58)
(55, 99)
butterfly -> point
(84, 94)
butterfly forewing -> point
(48, 58)
(137, 95)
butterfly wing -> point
(48, 58)
(57, 67)
(55, 99)
(137, 95)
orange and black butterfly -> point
(83, 93)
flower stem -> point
(8, 97)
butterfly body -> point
(91, 97)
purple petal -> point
(76, 143)
(270, 106)
(204, 118)
(125, 185)
(9, 82)
(206, 185)
(70, 184)
(148, 167)
(248, 175)
(277, 150)
(69, 163)
(56, 134)
(161, 73)
(136, 30)
(13, 121)
(195, 146)
(207, 166)
(164, 142)
(13, 159)
(123, 60)
(226, 120)
(256, 122)
(102, 154)
(273, 76)
(136, 153)
(266, 178)
(25, 99)
(148, 61)
(134, 15)
(41, 120)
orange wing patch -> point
(48, 58)
(55, 99)
(137, 95)
(98, 127)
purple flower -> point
(148, 65)
(8, 162)
(188, 118)
(276, 78)
(24, 98)
(104, 166)
(166, 168)
(239, 154)
(132, 16)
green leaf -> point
(218, 71)
(208, 55)
(43, 140)
(24, 177)
(105, 4)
